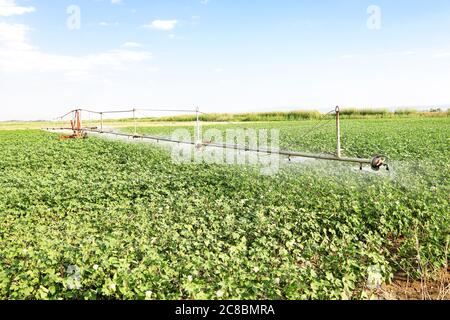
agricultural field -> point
(103, 219)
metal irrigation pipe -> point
(138, 109)
(70, 112)
(241, 148)
(129, 111)
(109, 112)
(167, 110)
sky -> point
(221, 55)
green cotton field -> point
(105, 219)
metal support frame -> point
(134, 120)
(247, 149)
(338, 133)
(198, 129)
(376, 163)
(76, 126)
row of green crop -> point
(96, 219)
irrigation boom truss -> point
(375, 163)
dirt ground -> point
(403, 288)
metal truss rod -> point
(242, 148)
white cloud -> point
(347, 56)
(107, 24)
(116, 1)
(16, 54)
(132, 45)
(13, 36)
(400, 53)
(10, 8)
(54, 81)
(164, 25)
(441, 54)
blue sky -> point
(222, 55)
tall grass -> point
(406, 112)
(248, 117)
(354, 112)
(350, 113)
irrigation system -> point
(81, 132)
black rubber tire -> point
(377, 162)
